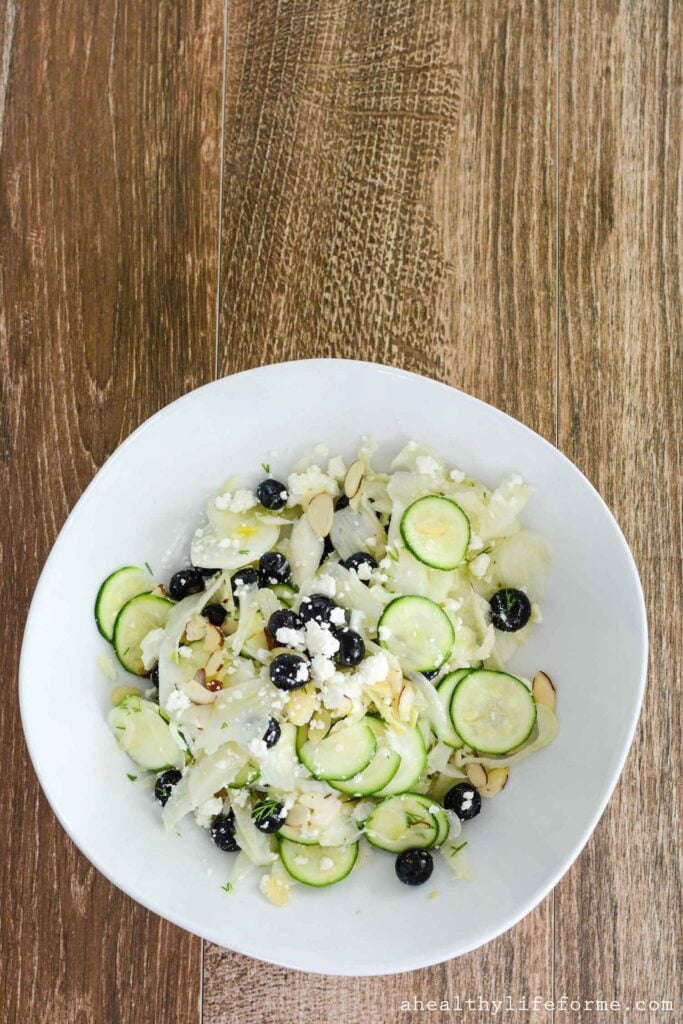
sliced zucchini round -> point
(410, 746)
(378, 773)
(418, 632)
(436, 531)
(136, 619)
(294, 835)
(341, 755)
(444, 691)
(402, 823)
(439, 815)
(116, 591)
(318, 866)
(493, 712)
(144, 734)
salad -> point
(327, 675)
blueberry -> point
(273, 568)
(431, 674)
(268, 816)
(207, 573)
(223, 832)
(154, 676)
(414, 867)
(243, 578)
(215, 613)
(165, 783)
(187, 581)
(464, 800)
(351, 648)
(362, 563)
(318, 607)
(272, 494)
(272, 733)
(283, 618)
(289, 671)
(341, 502)
(510, 610)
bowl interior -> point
(144, 505)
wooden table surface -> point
(485, 191)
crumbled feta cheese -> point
(320, 640)
(427, 465)
(363, 572)
(241, 501)
(337, 617)
(479, 565)
(293, 638)
(326, 863)
(451, 604)
(373, 669)
(257, 747)
(240, 797)
(357, 618)
(321, 450)
(336, 468)
(322, 668)
(304, 486)
(207, 811)
(476, 541)
(177, 702)
(457, 476)
(302, 673)
(149, 648)
(185, 652)
(300, 859)
(384, 633)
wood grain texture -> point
(108, 260)
(385, 167)
(618, 912)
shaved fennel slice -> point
(522, 561)
(232, 540)
(356, 530)
(201, 780)
(305, 552)
(352, 594)
(544, 733)
(255, 844)
(172, 671)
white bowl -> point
(144, 504)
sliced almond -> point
(395, 681)
(215, 663)
(496, 780)
(300, 705)
(477, 775)
(543, 691)
(119, 692)
(405, 703)
(345, 707)
(196, 691)
(213, 638)
(195, 629)
(298, 816)
(354, 478)
(320, 513)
